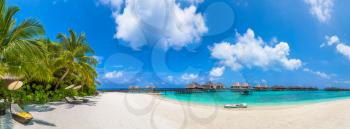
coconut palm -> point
(74, 59)
(18, 47)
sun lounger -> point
(19, 115)
(236, 105)
(72, 101)
(81, 98)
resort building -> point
(134, 88)
(213, 86)
(240, 86)
(277, 88)
(194, 85)
(150, 88)
(261, 87)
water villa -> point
(213, 86)
(134, 88)
(240, 86)
(261, 87)
(336, 89)
(194, 85)
(278, 88)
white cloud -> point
(217, 71)
(250, 51)
(165, 22)
(189, 77)
(341, 47)
(344, 49)
(114, 75)
(115, 4)
(331, 40)
(321, 9)
(342, 81)
(195, 1)
(170, 78)
(318, 73)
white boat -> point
(243, 105)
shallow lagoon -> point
(258, 98)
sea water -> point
(258, 98)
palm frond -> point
(28, 29)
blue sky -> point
(171, 43)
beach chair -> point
(81, 98)
(20, 115)
(72, 101)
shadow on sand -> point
(89, 103)
(6, 121)
(40, 122)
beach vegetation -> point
(46, 66)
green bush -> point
(42, 94)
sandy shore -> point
(142, 111)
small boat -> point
(243, 105)
(245, 92)
(20, 115)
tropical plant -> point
(18, 47)
(44, 66)
(74, 59)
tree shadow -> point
(40, 122)
(6, 121)
(39, 108)
(89, 103)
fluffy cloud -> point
(318, 73)
(341, 47)
(164, 22)
(189, 77)
(331, 40)
(321, 9)
(114, 75)
(195, 1)
(250, 51)
(344, 49)
(115, 4)
(217, 71)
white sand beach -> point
(141, 111)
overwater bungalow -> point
(336, 89)
(301, 88)
(213, 86)
(240, 86)
(261, 87)
(194, 85)
(278, 88)
(134, 88)
(150, 88)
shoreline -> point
(277, 106)
(136, 111)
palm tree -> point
(74, 59)
(18, 47)
(2, 69)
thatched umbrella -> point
(12, 82)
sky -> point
(170, 43)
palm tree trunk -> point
(61, 79)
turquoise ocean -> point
(258, 98)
